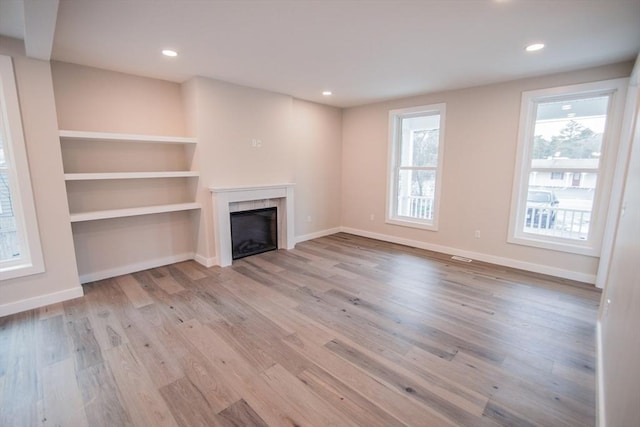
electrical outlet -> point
(477, 234)
(309, 218)
(372, 217)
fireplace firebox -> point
(254, 232)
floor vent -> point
(461, 258)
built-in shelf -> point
(150, 175)
(121, 213)
(129, 175)
(106, 136)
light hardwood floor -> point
(341, 331)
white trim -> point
(615, 88)
(630, 117)
(40, 301)
(204, 261)
(241, 197)
(601, 419)
(129, 175)
(132, 268)
(128, 137)
(121, 213)
(31, 261)
(410, 222)
(393, 149)
(317, 234)
(493, 259)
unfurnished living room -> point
(319, 213)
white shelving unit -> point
(121, 189)
(105, 137)
(121, 213)
(129, 175)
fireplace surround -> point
(235, 199)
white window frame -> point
(31, 260)
(616, 90)
(394, 147)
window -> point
(416, 145)
(20, 251)
(566, 153)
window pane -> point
(560, 211)
(9, 239)
(568, 134)
(9, 242)
(416, 192)
(420, 137)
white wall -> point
(619, 317)
(60, 279)
(481, 138)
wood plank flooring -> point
(341, 331)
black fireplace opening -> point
(254, 232)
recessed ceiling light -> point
(534, 47)
(169, 52)
(327, 93)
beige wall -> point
(317, 137)
(481, 138)
(92, 99)
(97, 100)
(227, 117)
(619, 370)
(37, 106)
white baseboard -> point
(493, 259)
(601, 420)
(132, 268)
(40, 301)
(207, 262)
(317, 234)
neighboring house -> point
(561, 172)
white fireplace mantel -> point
(223, 197)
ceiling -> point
(363, 51)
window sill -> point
(561, 246)
(412, 224)
(20, 270)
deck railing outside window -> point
(419, 207)
(558, 222)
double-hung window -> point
(566, 155)
(416, 146)
(20, 250)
